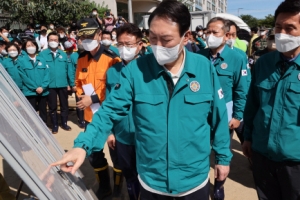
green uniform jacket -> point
(245, 57)
(232, 72)
(114, 49)
(72, 61)
(34, 76)
(61, 72)
(272, 110)
(12, 68)
(201, 44)
(123, 130)
(172, 134)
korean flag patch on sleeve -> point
(244, 72)
(220, 93)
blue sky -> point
(256, 8)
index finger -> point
(63, 161)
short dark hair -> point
(194, 34)
(114, 30)
(33, 42)
(2, 28)
(229, 23)
(16, 40)
(60, 28)
(220, 19)
(254, 29)
(52, 33)
(287, 6)
(175, 11)
(131, 29)
(107, 33)
(2, 42)
(10, 44)
(95, 9)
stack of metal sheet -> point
(29, 147)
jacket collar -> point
(187, 68)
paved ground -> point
(239, 185)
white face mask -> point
(53, 44)
(61, 35)
(263, 33)
(200, 33)
(204, 36)
(230, 43)
(5, 34)
(4, 52)
(51, 27)
(89, 45)
(106, 42)
(13, 54)
(165, 55)
(114, 37)
(285, 42)
(214, 42)
(73, 36)
(126, 53)
(31, 50)
(95, 13)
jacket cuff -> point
(95, 98)
(82, 142)
(237, 116)
(222, 162)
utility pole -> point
(239, 11)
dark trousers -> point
(276, 180)
(79, 112)
(39, 103)
(97, 159)
(202, 194)
(240, 131)
(62, 94)
(127, 161)
(114, 156)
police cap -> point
(87, 26)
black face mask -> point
(43, 31)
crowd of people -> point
(163, 98)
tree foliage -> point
(267, 22)
(60, 12)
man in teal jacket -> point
(232, 36)
(231, 69)
(61, 76)
(232, 72)
(176, 102)
(124, 142)
(272, 123)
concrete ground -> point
(239, 184)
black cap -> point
(87, 26)
(199, 27)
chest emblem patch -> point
(40, 64)
(299, 76)
(195, 86)
(60, 57)
(224, 65)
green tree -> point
(45, 11)
(250, 20)
(268, 21)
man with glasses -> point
(129, 44)
(91, 70)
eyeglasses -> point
(120, 45)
